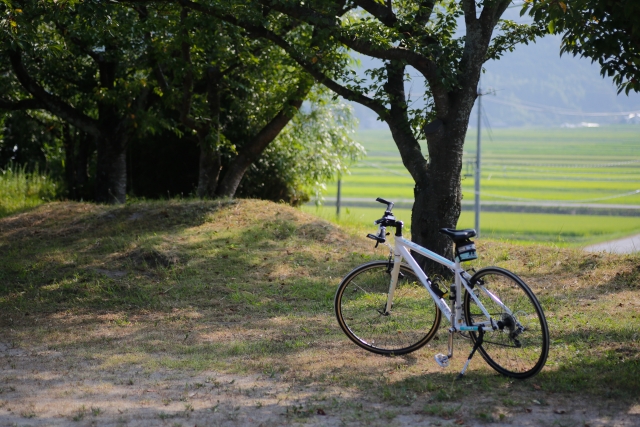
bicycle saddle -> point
(458, 235)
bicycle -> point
(384, 307)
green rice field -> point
(559, 230)
(596, 167)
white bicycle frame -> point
(462, 278)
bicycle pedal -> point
(442, 360)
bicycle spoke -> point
(360, 303)
(519, 349)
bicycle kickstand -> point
(475, 347)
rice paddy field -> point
(592, 169)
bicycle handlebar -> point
(388, 220)
(385, 202)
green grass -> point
(591, 165)
(574, 165)
(164, 306)
(524, 228)
(21, 189)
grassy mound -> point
(117, 294)
(160, 255)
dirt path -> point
(38, 389)
(621, 246)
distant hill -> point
(535, 86)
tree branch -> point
(50, 102)
(269, 132)
(410, 151)
(469, 9)
(382, 13)
(421, 63)
(491, 15)
(23, 104)
(254, 148)
(312, 69)
(424, 12)
(385, 15)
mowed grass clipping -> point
(522, 228)
(110, 297)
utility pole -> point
(338, 198)
(477, 177)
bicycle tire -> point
(359, 305)
(511, 352)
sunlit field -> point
(598, 167)
(560, 230)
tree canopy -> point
(607, 31)
(446, 42)
(105, 76)
(234, 73)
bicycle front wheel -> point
(360, 304)
(520, 346)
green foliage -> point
(21, 189)
(63, 43)
(607, 31)
(439, 40)
(316, 146)
(158, 68)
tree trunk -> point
(210, 159)
(233, 175)
(69, 160)
(252, 150)
(77, 146)
(209, 169)
(111, 169)
(438, 197)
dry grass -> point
(221, 313)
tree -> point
(84, 63)
(607, 31)
(314, 147)
(247, 96)
(236, 95)
(110, 74)
(406, 36)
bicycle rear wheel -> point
(520, 346)
(360, 302)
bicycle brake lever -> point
(378, 239)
